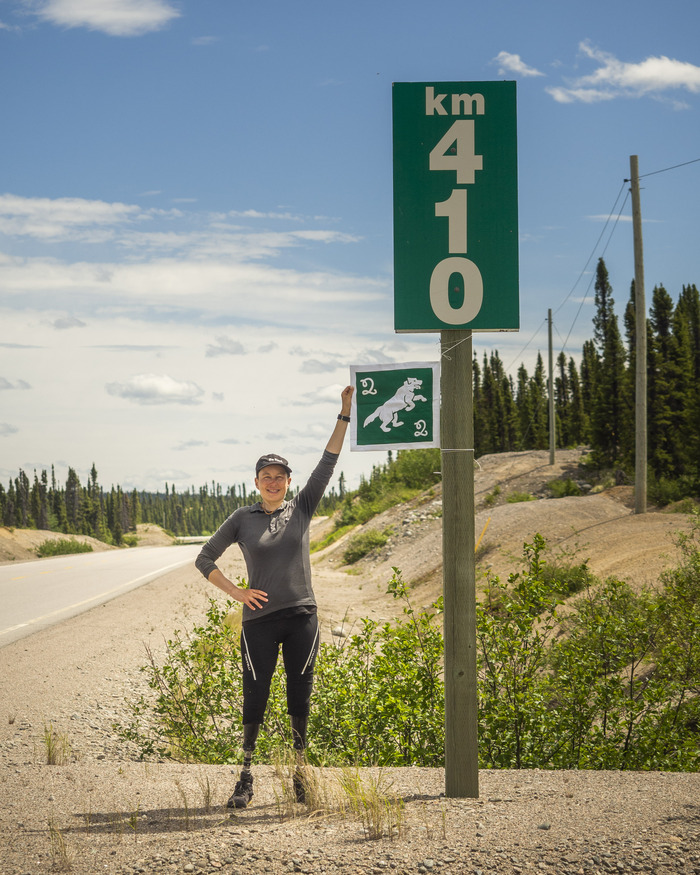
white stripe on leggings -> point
(247, 655)
(313, 648)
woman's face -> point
(272, 483)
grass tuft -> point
(61, 856)
(56, 747)
(380, 812)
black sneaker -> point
(299, 786)
(243, 793)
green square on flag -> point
(395, 406)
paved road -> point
(34, 595)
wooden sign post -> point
(456, 271)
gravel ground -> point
(103, 811)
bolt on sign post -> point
(396, 406)
(456, 272)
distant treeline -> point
(43, 503)
(594, 406)
(595, 402)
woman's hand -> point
(335, 444)
(346, 400)
(253, 598)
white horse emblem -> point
(403, 399)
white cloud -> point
(508, 63)
(65, 322)
(256, 214)
(322, 395)
(61, 218)
(224, 346)
(177, 263)
(157, 389)
(186, 287)
(113, 17)
(581, 95)
(188, 445)
(316, 366)
(78, 220)
(375, 357)
(20, 384)
(6, 429)
(652, 77)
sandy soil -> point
(104, 811)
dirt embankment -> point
(600, 527)
(20, 545)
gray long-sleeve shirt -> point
(275, 547)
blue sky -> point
(196, 208)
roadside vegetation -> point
(62, 547)
(610, 682)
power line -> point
(537, 330)
(600, 237)
(595, 247)
(605, 249)
(590, 257)
(666, 169)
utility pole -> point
(552, 424)
(640, 311)
(459, 565)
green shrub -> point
(613, 684)
(565, 575)
(490, 498)
(664, 490)
(617, 690)
(62, 547)
(378, 697)
(359, 510)
(685, 505)
(331, 538)
(363, 543)
(516, 497)
(563, 488)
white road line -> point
(92, 599)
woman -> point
(279, 607)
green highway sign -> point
(455, 206)
(395, 406)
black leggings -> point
(260, 643)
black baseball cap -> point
(271, 459)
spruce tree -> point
(590, 368)
(660, 385)
(609, 408)
(562, 402)
(578, 419)
(540, 407)
(523, 402)
(688, 310)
